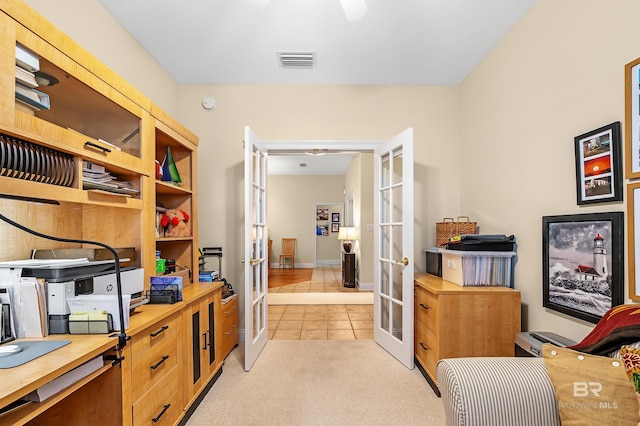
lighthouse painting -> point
(583, 269)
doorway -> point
(392, 228)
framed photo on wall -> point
(335, 227)
(633, 236)
(582, 263)
(632, 119)
(335, 217)
(598, 165)
(322, 214)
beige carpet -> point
(319, 383)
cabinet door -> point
(194, 381)
(209, 359)
(202, 360)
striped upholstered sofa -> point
(497, 391)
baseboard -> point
(365, 286)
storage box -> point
(478, 268)
(434, 261)
(207, 276)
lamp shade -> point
(347, 233)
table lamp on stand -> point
(347, 234)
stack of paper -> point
(95, 176)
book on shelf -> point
(26, 78)
(27, 59)
(97, 168)
(32, 97)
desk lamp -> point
(122, 336)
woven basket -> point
(449, 228)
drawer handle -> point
(157, 419)
(164, 358)
(95, 145)
(423, 306)
(227, 333)
(159, 331)
(424, 347)
(230, 311)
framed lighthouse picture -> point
(582, 263)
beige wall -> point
(558, 74)
(499, 147)
(93, 28)
(359, 183)
(301, 112)
(291, 214)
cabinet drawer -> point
(153, 335)
(152, 365)
(162, 405)
(229, 339)
(230, 312)
(426, 309)
(426, 348)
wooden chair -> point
(288, 252)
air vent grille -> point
(297, 59)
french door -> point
(393, 247)
(255, 253)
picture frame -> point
(598, 165)
(633, 238)
(322, 230)
(335, 227)
(322, 214)
(335, 217)
(582, 263)
(632, 119)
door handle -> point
(253, 261)
(404, 261)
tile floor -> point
(319, 322)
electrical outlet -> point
(451, 264)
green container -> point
(160, 266)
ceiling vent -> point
(297, 59)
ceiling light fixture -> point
(354, 10)
(317, 152)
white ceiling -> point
(397, 42)
(329, 164)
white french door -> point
(393, 247)
(255, 253)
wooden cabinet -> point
(348, 269)
(94, 116)
(156, 373)
(452, 321)
(69, 130)
(170, 135)
(228, 326)
(200, 342)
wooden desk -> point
(107, 395)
